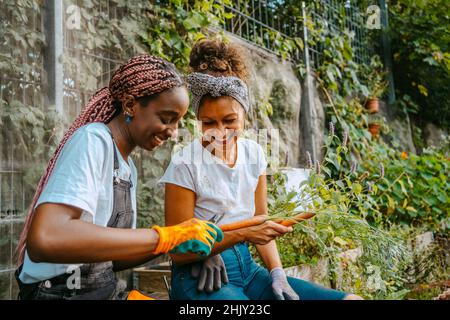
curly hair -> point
(219, 58)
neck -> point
(228, 153)
(122, 136)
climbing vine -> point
(412, 191)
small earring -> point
(128, 119)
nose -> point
(172, 130)
(221, 129)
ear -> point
(128, 104)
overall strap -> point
(116, 158)
(116, 161)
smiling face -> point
(158, 120)
(222, 119)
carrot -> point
(256, 220)
(244, 223)
(296, 219)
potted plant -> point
(374, 126)
(376, 84)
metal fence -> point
(255, 21)
(75, 93)
(16, 89)
(339, 17)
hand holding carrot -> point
(258, 230)
(261, 229)
(265, 232)
(256, 220)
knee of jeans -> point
(228, 256)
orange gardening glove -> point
(194, 235)
(136, 295)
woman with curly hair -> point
(222, 174)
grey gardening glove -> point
(211, 273)
(281, 287)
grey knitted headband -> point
(201, 84)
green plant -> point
(376, 119)
(415, 190)
(341, 199)
(420, 40)
(344, 85)
(350, 215)
(406, 104)
(375, 78)
(342, 82)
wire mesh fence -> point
(255, 21)
(20, 88)
(99, 64)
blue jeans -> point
(247, 281)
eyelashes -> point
(165, 120)
(230, 121)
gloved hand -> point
(281, 287)
(193, 235)
(211, 273)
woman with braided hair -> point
(80, 226)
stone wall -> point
(433, 135)
(276, 82)
(400, 126)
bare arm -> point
(268, 252)
(119, 265)
(57, 235)
(269, 255)
(179, 206)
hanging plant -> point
(376, 83)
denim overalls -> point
(97, 280)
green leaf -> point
(431, 61)
(340, 184)
(357, 188)
(442, 198)
(391, 202)
(426, 176)
(403, 187)
(340, 241)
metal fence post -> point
(386, 49)
(54, 52)
(309, 105)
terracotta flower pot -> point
(374, 129)
(373, 105)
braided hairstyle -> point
(140, 77)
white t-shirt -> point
(83, 178)
(219, 188)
